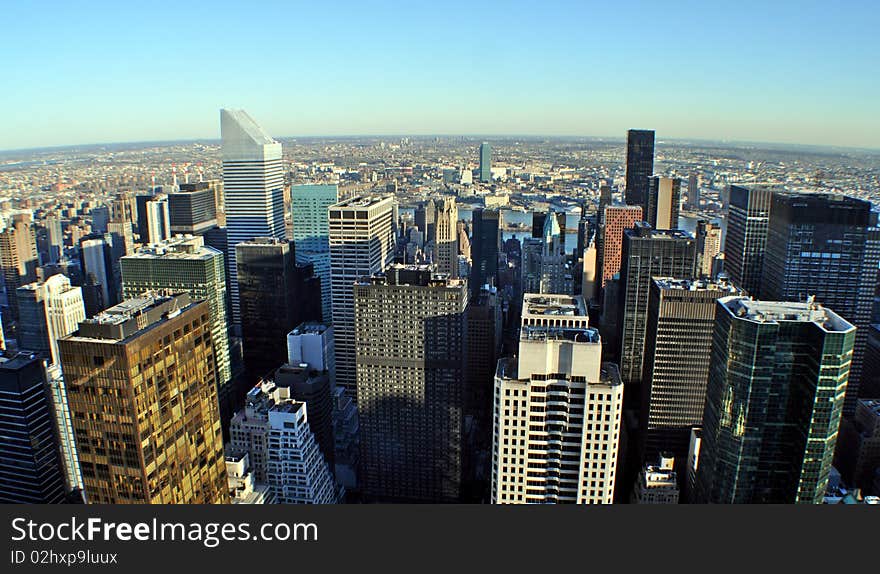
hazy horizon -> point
(794, 73)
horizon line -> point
(729, 142)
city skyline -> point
(732, 75)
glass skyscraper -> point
(485, 162)
(311, 233)
(777, 380)
(748, 214)
(639, 166)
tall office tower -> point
(361, 245)
(31, 470)
(273, 430)
(410, 340)
(827, 246)
(586, 227)
(708, 237)
(275, 295)
(485, 162)
(609, 248)
(858, 452)
(311, 233)
(606, 197)
(664, 202)
(253, 184)
(678, 346)
(426, 219)
(747, 217)
(446, 239)
(193, 209)
(100, 219)
(870, 386)
(157, 219)
(142, 384)
(647, 253)
(657, 483)
(312, 387)
(55, 238)
(141, 209)
(49, 311)
(484, 249)
(557, 410)
(589, 271)
(120, 239)
(693, 201)
(18, 259)
(95, 255)
(185, 265)
(777, 381)
(639, 166)
(123, 208)
(312, 343)
(545, 266)
(539, 221)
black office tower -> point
(826, 246)
(748, 214)
(484, 249)
(639, 166)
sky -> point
(781, 71)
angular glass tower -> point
(311, 233)
(253, 181)
(485, 162)
(777, 380)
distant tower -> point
(18, 259)
(664, 202)
(708, 247)
(693, 201)
(253, 184)
(485, 162)
(446, 239)
(615, 220)
(639, 166)
(484, 249)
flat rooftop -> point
(672, 283)
(589, 335)
(553, 305)
(361, 202)
(780, 311)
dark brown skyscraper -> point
(639, 166)
(141, 384)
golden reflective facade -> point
(144, 404)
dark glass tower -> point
(777, 380)
(639, 166)
(827, 246)
(275, 295)
(30, 463)
(484, 249)
(747, 217)
(647, 253)
(485, 162)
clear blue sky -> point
(781, 70)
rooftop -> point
(673, 283)
(575, 335)
(779, 311)
(178, 247)
(556, 305)
(361, 202)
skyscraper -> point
(157, 219)
(747, 218)
(193, 209)
(678, 346)
(616, 219)
(410, 339)
(55, 238)
(30, 465)
(185, 265)
(708, 247)
(311, 233)
(484, 249)
(647, 253)
(142, 386)
(664, 202)
(253, 183)
(275, 295)
(446, 238)
(273, 431)
(545, 266)
(18, 258)
(639, 166)
(777, 380)
(827, 246)
(557, 410)
(693, 201)
(361, 245)
(49, 310)
(95, 255)
(485, 162)
(312, 387)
